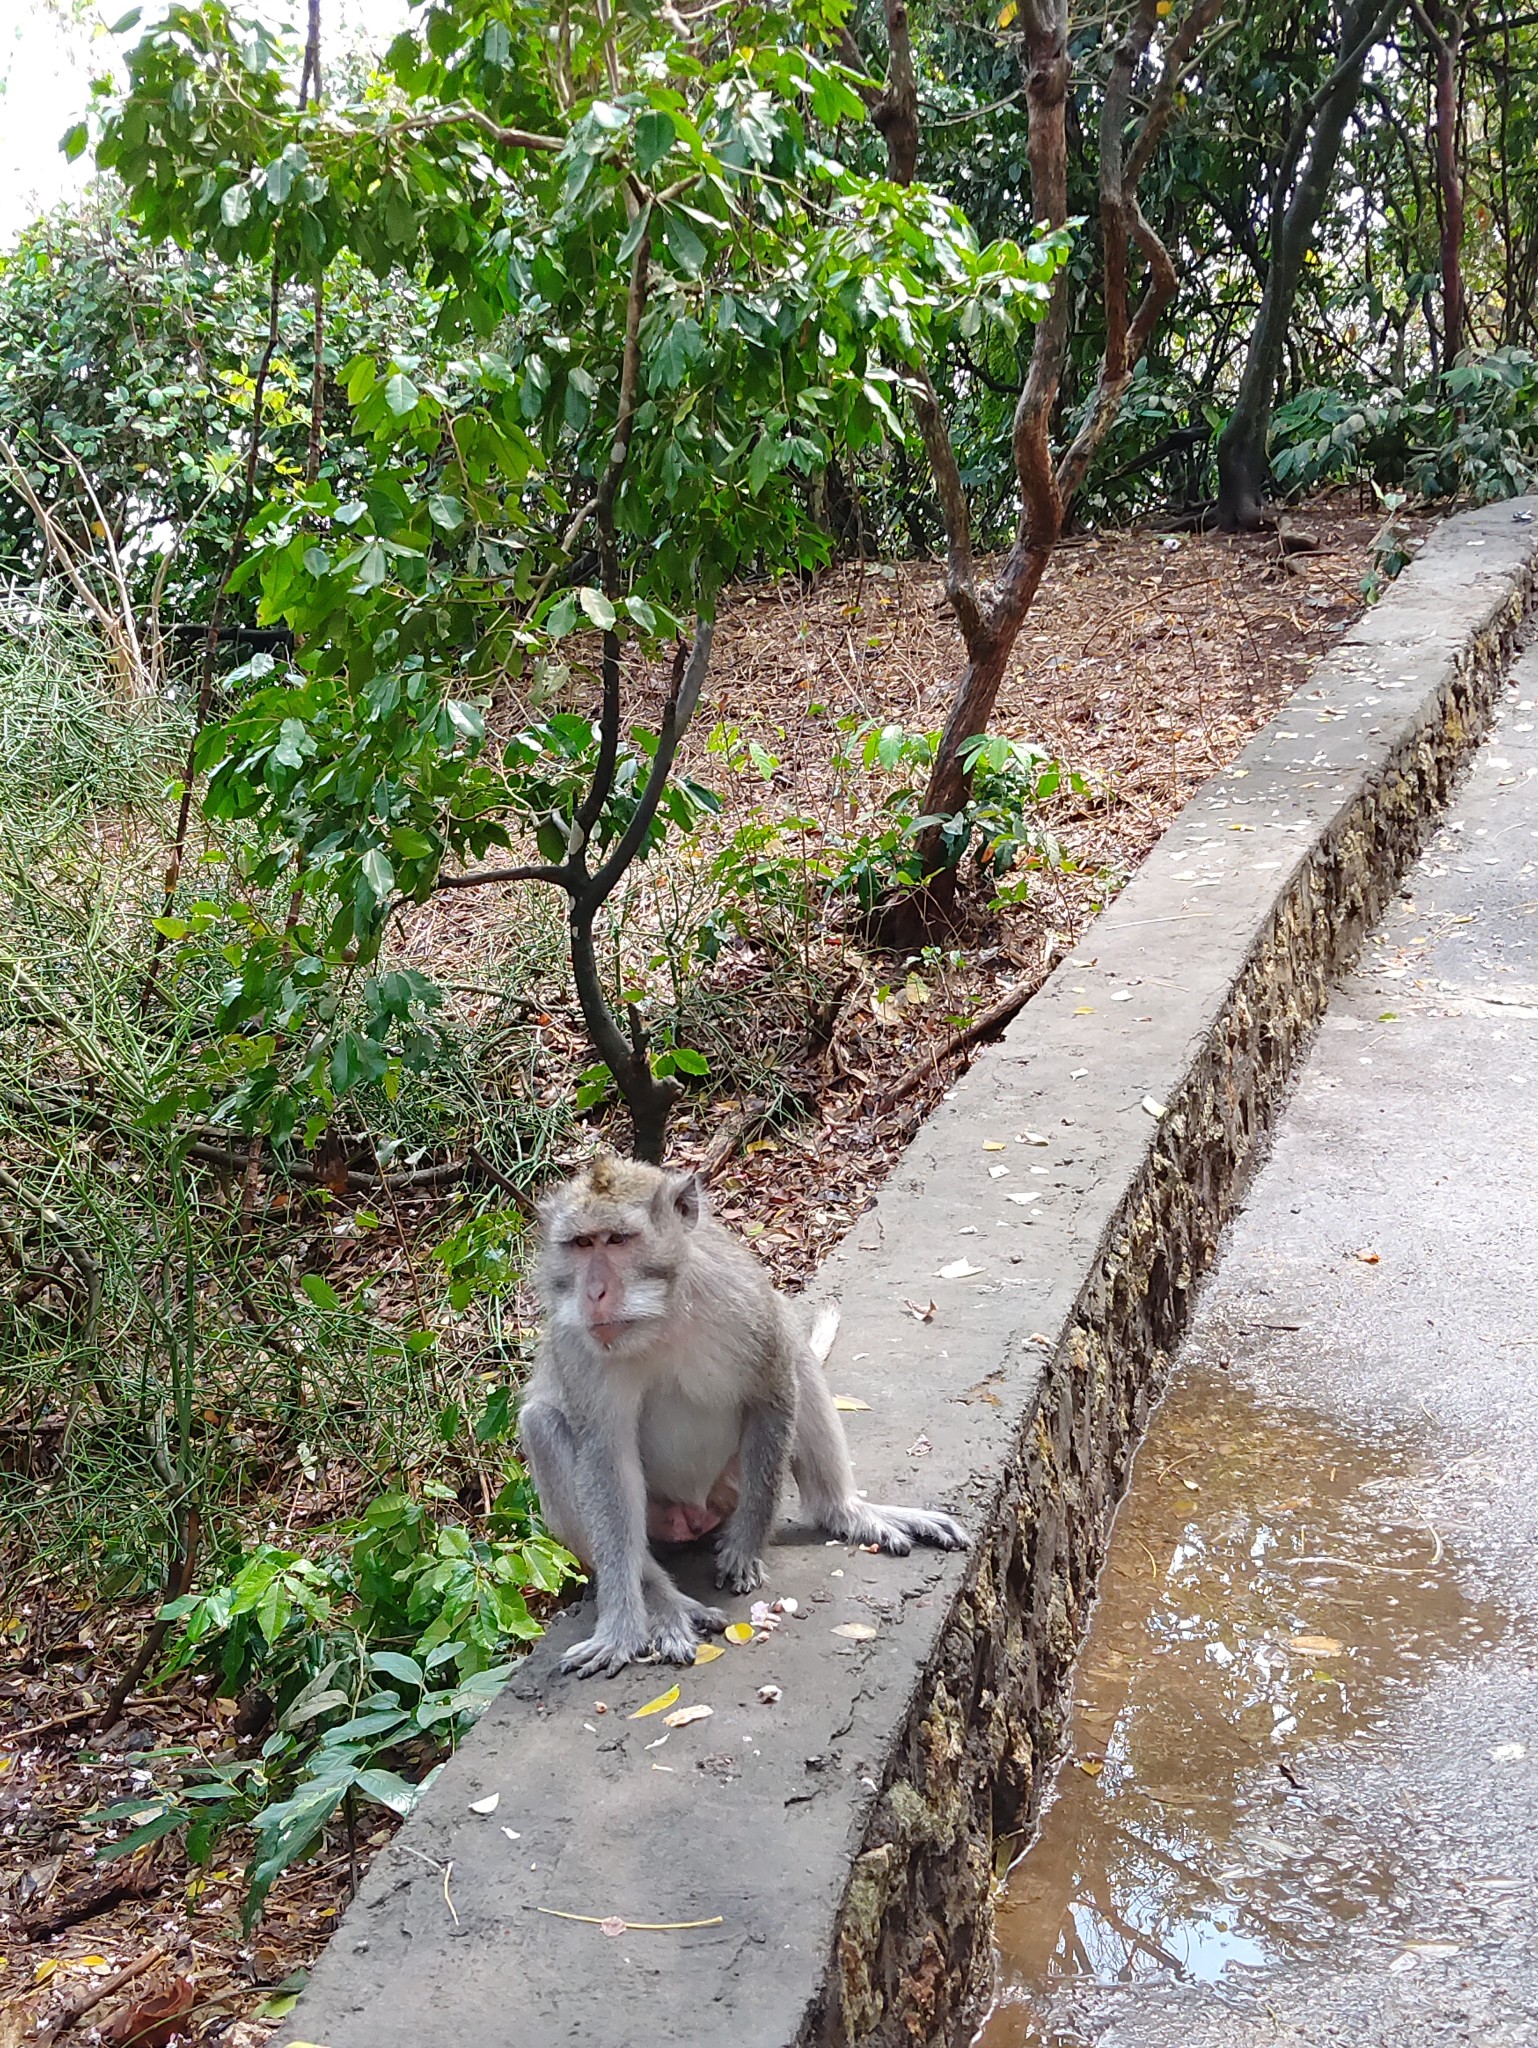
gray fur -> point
(701, 1358)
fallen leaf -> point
(1318, 1646)
(663, 1700)
(707, 1653)
(512, 1834)
(1085, 1010)
(993, 1145)
(151, 2020)
(920, 1447)
(1031, 1138)
(687, 1716)
(487, 1805)
(997, 1172)
(849, 1405)
(1091, 1766)
(1033, 1196)
(1121, 995)
(959, 1269)
(1154, 1107)
(856, 1631)
(737, 1632)
(921, 1313)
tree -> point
(991, 616)
(1299, 189)
(661, 304)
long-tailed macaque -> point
(674, 1387)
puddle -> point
(1270, 1596)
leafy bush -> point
(1473, 434)
(373, 1657)
(1010, 781)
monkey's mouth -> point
(608, 1334)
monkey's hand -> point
(738, 1569)
(607, 1650)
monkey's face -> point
(612, 1258)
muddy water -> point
(1271, 1595)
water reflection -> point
(1271, 1592)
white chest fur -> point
(690, 1422)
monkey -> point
(673, 1390)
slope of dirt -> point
(1146, 665)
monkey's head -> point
(614, 1241)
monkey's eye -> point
(581, 1244)
(622, 1237)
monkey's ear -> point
(688, 1200)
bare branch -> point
(688, 677)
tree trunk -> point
(1297, 200)
(1447, 37)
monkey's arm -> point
(594, 1499)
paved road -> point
(1310, 1813)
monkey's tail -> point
(824, 1330)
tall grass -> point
(161, 1360)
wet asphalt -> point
(1301, 1803)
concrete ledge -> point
(847, 1835)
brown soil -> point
(1146, 665)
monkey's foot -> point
(604, 1653)
(739, 1569)
(896, 1530)
(710, 1621)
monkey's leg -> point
(678, 1619)
(594, 1499)
(674, 1621)
(826, 1480)
(762, 1457)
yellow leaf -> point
(856, 1631)
(707, 1653)
(1085, 1010)
(1165, 7)
(92, 1963)
(740, 1632)
(1007, 13)
(45, 1970)
(993, 1145)
(849, 1404)
(1091, 1766)
(663, 1699)
(1318, 1646)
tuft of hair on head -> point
(600, 1175)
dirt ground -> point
(1146, 664)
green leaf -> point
(235, 205)
(321, 1292)
(395, 1664)
(597, 607)
(75, 141)
(399, 1794)
(401, 394)
(378, 873)
(445, 510)
(683, 244)
(655, 134)
(688, 1061)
